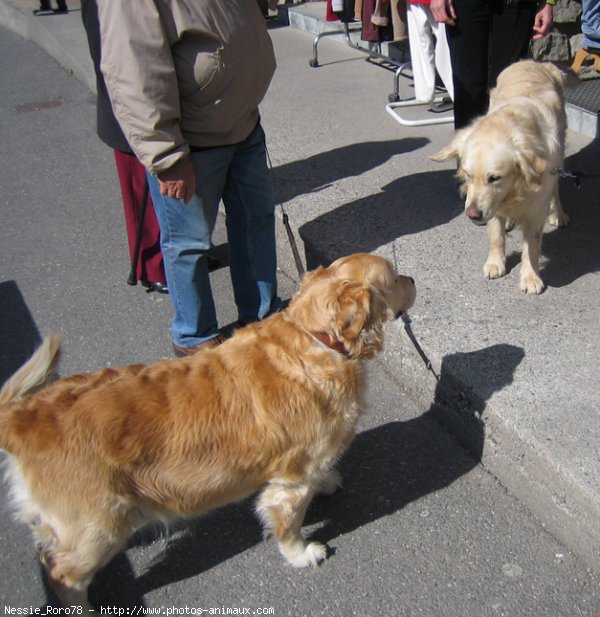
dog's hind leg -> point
(282, 506)
(75, 556)
(330, 483)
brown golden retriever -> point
(94, 457)
(508, 162)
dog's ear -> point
(359, 317)
(454, 148)
(530, 160)
(352, 310)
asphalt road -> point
(419, 528)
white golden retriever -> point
(508, 162)
(93, 457)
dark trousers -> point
(489, 35)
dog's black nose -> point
(412, 280)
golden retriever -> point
(93, 457)
(508, 162)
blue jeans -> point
(239, 176)
(590, 24)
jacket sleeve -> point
(140, 77)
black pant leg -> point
(511, 32)
(469, 43)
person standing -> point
(590, 25)
(484, 37)
(185, 79)
(46, 8)
(147, 264)
(428, 51)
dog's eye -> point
(492, 179)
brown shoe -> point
(182, 352)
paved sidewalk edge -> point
(33, 30)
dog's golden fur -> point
(93, 457)
(507, 163)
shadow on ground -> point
(409, 205)
(19, 335)
(574, 251)
(322, 170)
(386, 468)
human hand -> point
(443, 11)
(179, 181)
(543, 21)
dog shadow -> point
(385, 468)
(397, 463)
(574, 251)
(408, 205)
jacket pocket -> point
(198, 64)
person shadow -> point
(408, 205)
(320, 171)
(384, 469)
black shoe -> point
(160, 288)
(445, 104)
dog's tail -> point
(34, 373)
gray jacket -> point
(184, 73)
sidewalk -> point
(514, 377)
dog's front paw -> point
(311, 554)
(531, 283)
(494, 268)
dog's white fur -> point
(508, 162)
(93, 457)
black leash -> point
(288, 228)
(573, 175)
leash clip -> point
(568, 173)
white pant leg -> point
(422, 59)
(442, 54)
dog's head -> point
(500, 158)
(351, 300)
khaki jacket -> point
(184, 73)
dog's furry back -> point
(94, 456)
